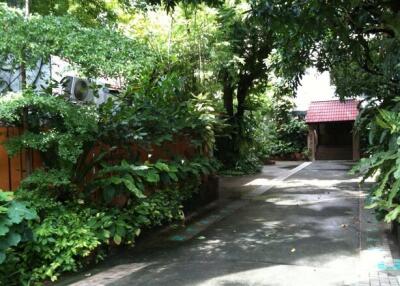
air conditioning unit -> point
(77, 89)
(81, 90)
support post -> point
(356, 145)
(311, 141)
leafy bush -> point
(75, 232)
(82, 212)
(287, 139)
(249, 164)
(94, 189)
(269, 130)
(14, 215)
(280, 133)
(383, 163)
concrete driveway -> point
(308, 230)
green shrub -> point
(85, 201)
(282, 134)
(14, 216)
(79, 215)
(247, 165)
(383, 163)
(72, 233)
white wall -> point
(314, 87)
(39, 75)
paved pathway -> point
(309, 229)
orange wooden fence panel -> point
(16, 162)
(4, 163)
(13, 170)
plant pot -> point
(298, 156)
(120, 200)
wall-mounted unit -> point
(82, 90)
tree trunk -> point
(225, 147)
(228, 149)
(242, 91)
(228, 96)
(27, 155)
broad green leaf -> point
(383, 182)
(392, 215)
(173, 176)
(2, 257)
(13, 239)
(393, 192)
(117, 239)
(120, 230)
(152, 177)
(371, 206)
(130, 185)
(162, 166)
(3, 229)
(6, 196)
(137, 232)
(18, 211)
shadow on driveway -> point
(304, 231)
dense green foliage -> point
(95, 189)
(77, 231)
(14, 216)
(383, 164)
(122, 197)
(282, 134)
(357, 41)
(270, 131)
(88, 12)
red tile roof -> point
(332, 110)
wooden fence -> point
(13, 170)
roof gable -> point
(332, 111)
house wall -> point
(38, 76)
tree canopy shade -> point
(362, 40)
(36, 39)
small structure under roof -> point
(331, 135)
